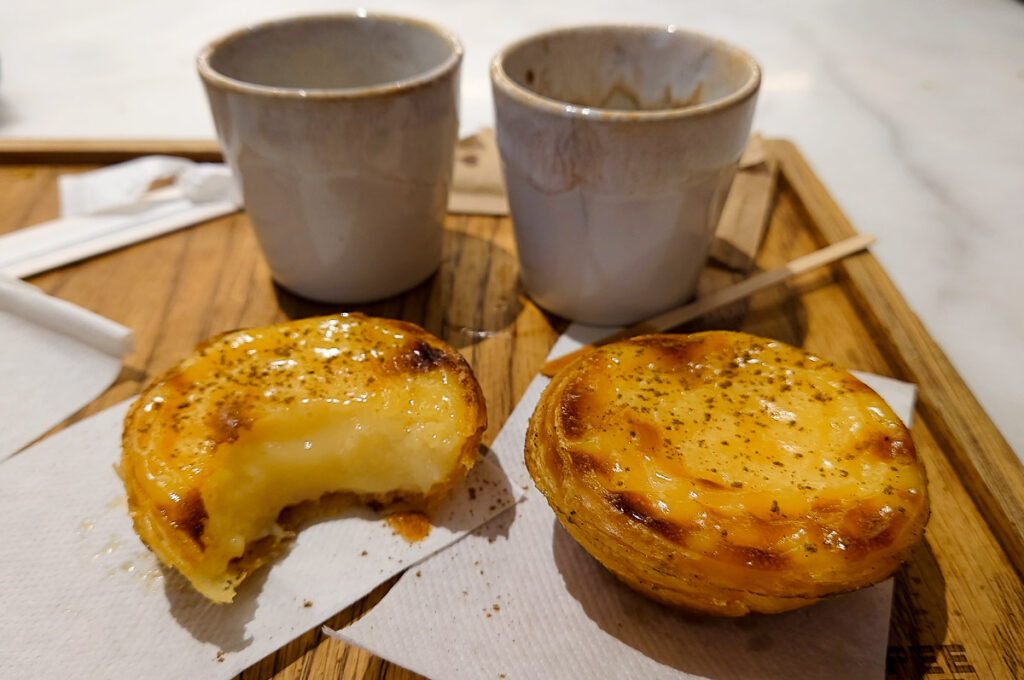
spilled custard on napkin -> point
(258, 421)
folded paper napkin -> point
(83, 596)
(519, 598)
(55, 357)
(116, 206)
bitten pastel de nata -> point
(258, 421)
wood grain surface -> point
(959, 602)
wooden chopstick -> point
(723, 296)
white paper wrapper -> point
(519, 598)
(83, 597)
(55, 357)
(112, 207)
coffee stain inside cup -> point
(621, 97)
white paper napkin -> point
(113, 207)
(122, 186)
(83, 597)
(519, 598)
(55, 357)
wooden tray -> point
(959, 602)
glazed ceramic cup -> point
(619, 144)
(341, 130)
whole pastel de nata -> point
(726, 473)
(255, 422)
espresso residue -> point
(622, 97)
(412, 526)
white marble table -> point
(911, 112)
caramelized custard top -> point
(752, 453)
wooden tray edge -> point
(96, 151)
(989, 469)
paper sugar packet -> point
(519, 598)
(118, 205)
(84, 597)
(55, 357)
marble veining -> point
(909, 111)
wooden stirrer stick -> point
(724, 296)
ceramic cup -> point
(619, 144)
(341, 130)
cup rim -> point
(500, 79)
(214, 77)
